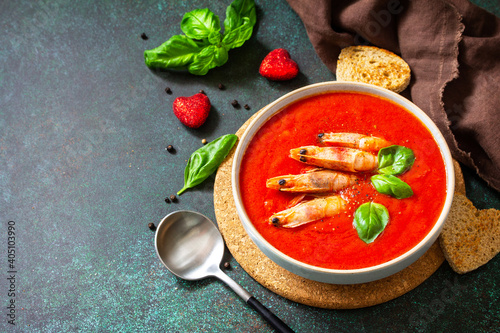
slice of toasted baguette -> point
(470, 237)
(373, 65)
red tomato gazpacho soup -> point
(332, 241)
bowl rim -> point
(336, 86)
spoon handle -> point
(271, 318)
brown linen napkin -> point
(453, 49)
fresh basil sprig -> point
(204, 161)
(203, 47)
(391, 185)
(395, 160)
(370, 219)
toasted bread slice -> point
(470, 237)
(373, 65)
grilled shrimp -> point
(308, 211)
(354, 140)
(314, 181)
(337, 158)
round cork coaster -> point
(297, 288)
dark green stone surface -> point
(83, 170)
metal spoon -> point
(191, 247)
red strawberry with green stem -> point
(192, 111)
(278, 66)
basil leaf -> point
(214, 37)
(236, 37)
(391, 185)
(221, 56)
(208, 58)
(239, 22)
(199, 23)
(204, 161)
(395, 160)
(237, 11)
(370, 219)
(177, 52)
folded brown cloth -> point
(453, 49)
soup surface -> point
(333, 242)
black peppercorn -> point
(320, 135)
(168, 90)
(143, 36)
(170, 149)
(246, 107)
(303, 151)
(202, 91)
(151, 226)
(226, 264)
(275, 220)
(302, 159)
(173, 198)
(167, 200)
(282, 182)
(234, 103)
(221, 86)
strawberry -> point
(192, 111)
(278, 66)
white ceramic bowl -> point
(338, 276)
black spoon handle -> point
(271, 318)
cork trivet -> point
(297, 288)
